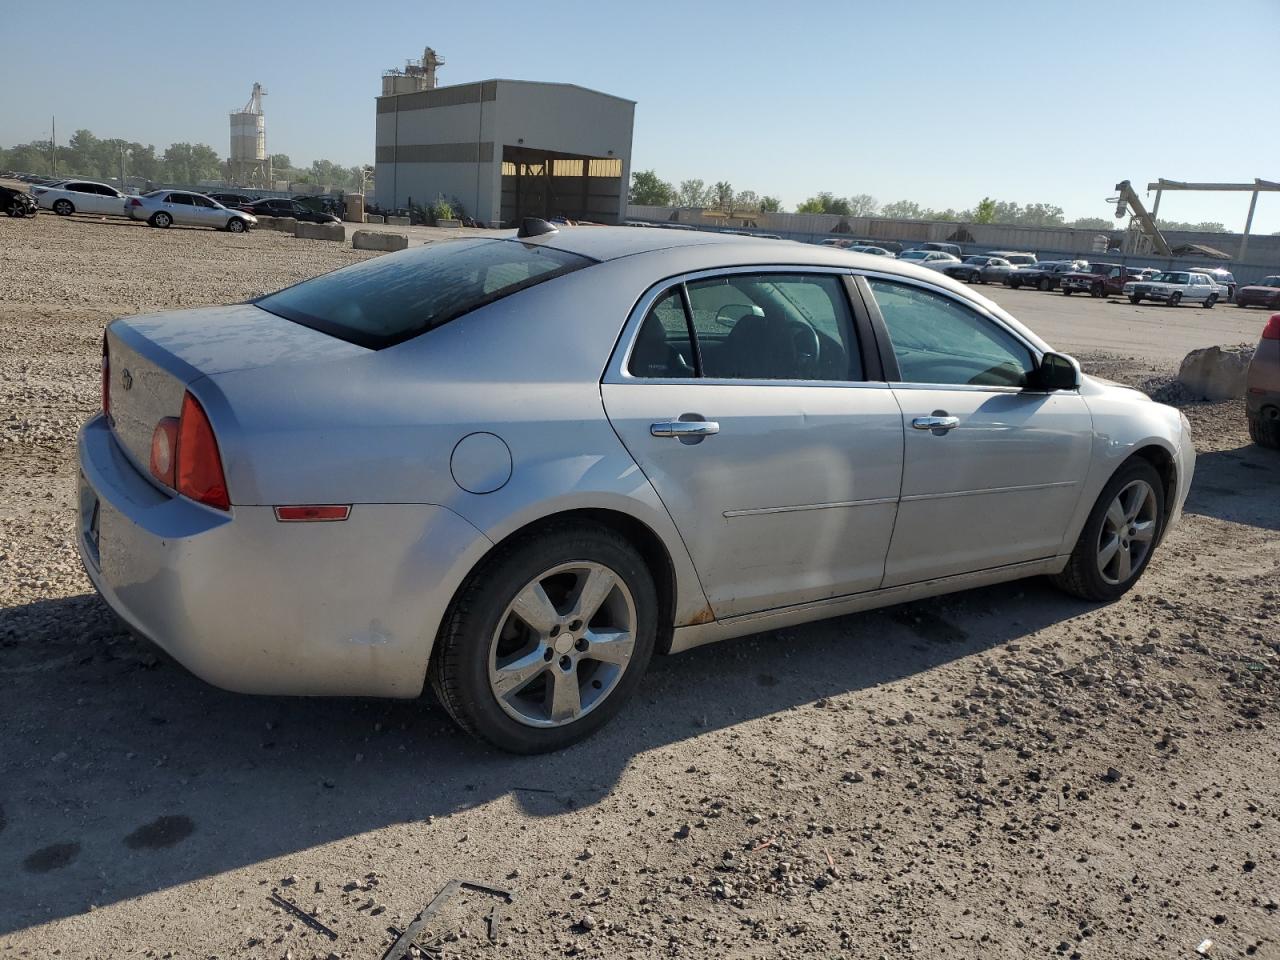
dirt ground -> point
(1001, 773)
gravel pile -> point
(1000, 773)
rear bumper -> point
(256, 606)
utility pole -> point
(123, 188)
(53, 145)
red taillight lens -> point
(135, 202)
(164, 451)
(198, 471)
(106, 376)
(1272, 330)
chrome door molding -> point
(761, 511)
(617, 372)
(1016, 488)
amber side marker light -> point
(313, 513)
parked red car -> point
(1262, 398)
(1264, 293)
(1099, 280)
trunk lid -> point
(155, 357)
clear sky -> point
(937, 101)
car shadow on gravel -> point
(122, 774)
(1239, 486)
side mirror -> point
(1057, 371)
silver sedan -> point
(164, 208)
(518, 467)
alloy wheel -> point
(1128, 532)
(563, 644)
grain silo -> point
(248, 161)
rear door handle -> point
(686, 431)
(936, 424)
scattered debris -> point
(1205, 947)
(400, 947)
(302, 915)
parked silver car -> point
(65, 197)
(519, 466)
(164, 208)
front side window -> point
(938, 340)
(386, 300)
(202, 201)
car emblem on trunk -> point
(126, 378)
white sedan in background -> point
(80, 196)
(164, 208)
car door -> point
(992, 470)
(111, 200)
(82, 196)
(208, 213)
(753, 404)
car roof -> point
(610, 243)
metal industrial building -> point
(504, 149)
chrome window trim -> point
(617, 372)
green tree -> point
(189, 163)
(692, 193)
(985, 212)
(770, 205)
(722, 195)
(746, 200)
(863, 205)
(1092, 223)
(281, 162)
(826, 202)
(650, 191)
(903, 210)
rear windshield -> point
(393, 298)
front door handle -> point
(686, 431)
(939, 425)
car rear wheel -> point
(1119, 537)
(1213, 298)
(161, 219)
(235, 225)
(1044, 283)
(1174, 300)
(1264, 427)
(64, 208)
(1066, 292)
(548, 639)
(1014, 283)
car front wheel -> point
(64, 208)
(235, 225)
(548, 639)
(1174, 300)
(1135, 300)
(1119, 537)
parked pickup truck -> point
(1098, 280)
(1174, 286)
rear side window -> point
(393, 298)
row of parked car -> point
(1204, 285)
(233, 212)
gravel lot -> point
(1001, 773)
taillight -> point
(135, 202)
(164, 451)
(106, 376)
(1272, 330)
(198, 470)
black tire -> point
(1264, 427)
(1066, 292)
(1174, 300)
(161, 220)
(1097, 291)
(1045, 284)
(1016, 284)
(459, 670)
(1081, 577)
(64, 207)
(1135, 300)
(1213, 298)
(235, 225)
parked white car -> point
(164, 208)
(1174, 286)
(80, 196)
(933, 259)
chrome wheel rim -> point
(563, 644)
(1128, 532)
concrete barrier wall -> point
(282, 224)
(320, 231)
(377, 240)
(398, 221)
(374, 218)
